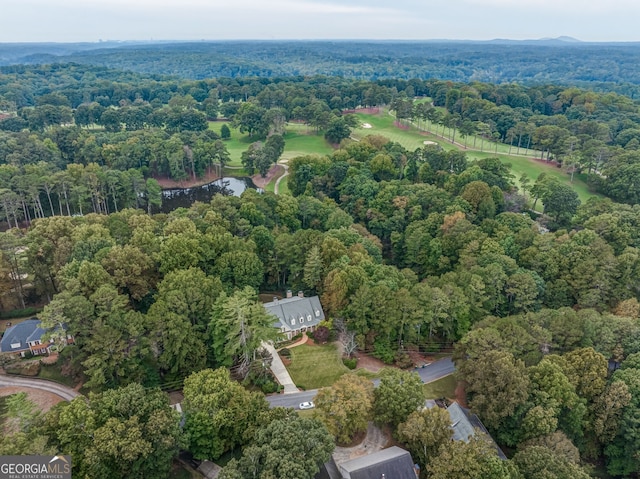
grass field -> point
(299, 140)
(412, 138)
(236, 144)
(302, 140)
(315, 366)
(442, 388)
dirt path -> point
(374, 441)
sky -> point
(95, 20)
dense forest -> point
(605, 66)
(419, 249)
(76, 139)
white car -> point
(307, 405)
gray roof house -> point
(295, 314)
(390, 463)
(465, 425)
(26, 336)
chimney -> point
(300, 294)
(289, 293)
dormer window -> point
(301, 319)
(317, 313)
(293, 321)
(309, 318)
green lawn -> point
(302, 140)
(442, 388)
(283, 189)
(53, 373)
(299, 140)
(306, 413)
(297, 143)
(236, 144)
(383, 124)
(411, 138)
(315, 366)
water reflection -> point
(185, 197)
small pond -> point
(185, 197)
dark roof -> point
(329, 470)
(465, 425)
(295, 313)
(15, 338)
(390, 463)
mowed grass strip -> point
(283, 187)
(316, 366)
(384, 124)
(441, 388)
(236, 144)
(299, 144)
(299, 141)
(412, 138)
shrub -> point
(351, 363)
(383, 352)
(269, 387)
(285, 353)
(321, 334)
(19, 313)
(25, 369)
(403, 360)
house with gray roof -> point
(391, 463)
(466, 425)
(27, 336)
(295, 314)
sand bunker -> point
(427, 142)
(366, 125)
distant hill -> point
(563, 40)
(561, 60)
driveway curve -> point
(375, 440)
(64, 392)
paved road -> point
(63, 391)
(436, 370)
(430, 373)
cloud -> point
(77, 20)
(248, 6)
(578, 7)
